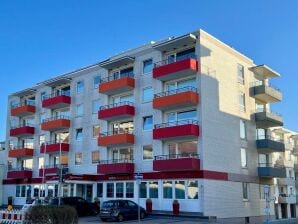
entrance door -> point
(293, 210)
(284, 211)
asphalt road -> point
(149, 220)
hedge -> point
(51, 214)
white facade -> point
(225, 103)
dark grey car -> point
(119, 210)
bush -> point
(51, 214)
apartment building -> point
(190, 113)
(2, 167)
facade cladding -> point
(190, 113)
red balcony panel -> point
(119, 112)
(179, 164)
(19, 174)
(176, 69)
(117, 86)
(181, 131)
(22, 110)
(22, 131)
(116, 168)
(54, 148)
(22, 152)
(54, 125)
(57, 102)
(179, 100)
(116, 139)
(48, 171)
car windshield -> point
(108, 204)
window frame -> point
(143, 127)
(149, 100)
(144, 146)
(77, 87)
(78, 153)
(143, 66)
(77, 134)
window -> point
(153, 189)
(95, 131)
(147, 66)
(42, 117)
(78, 158)
(147, 94)
(192, 190)
(110, 190)
(123, 127)
(80, 87)
(179, 189)
(245, 191)
(119, 190)
(183, 149)
(99, 190)
(147, 152)
(79, 134)
(40, 162)
(129, 190)
(80, 110)
(242, 129)
(240, 73)
(242, 101)
(143, 190)
(95, 106)
(167, 189)
(42, 140)
(95, 157)
(124, 154)
(182, 115)
(126, 98)
(147, 123)
(243, 158)
(262, 191)
(170, 86)
(42, 95)
(96, 81)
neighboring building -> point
(190, 113)
(3, 157)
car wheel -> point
(142, 215)
(120, 218)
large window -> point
(153, 189)
(181, 84)
(167, 189)
(62, 137)
(147, 94)
(147, 66)
(125, 154)
(123, 127)
(243, 158)
(182, 115)
(78, 158)
(240, 73)
(143, 190)
(119, 190)
(147, 123)
(242, 101)
(192, 190)
(126, 98)
(79, 134)
(96, 81)
(95, 106)
(179, 189)
(242, 129)
(245, 191)
(110, 190)
(183, 149)
(80, 87)
(129, 189)
(147, 152)
(95, 157)
(80, 110)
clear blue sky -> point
(42, 39)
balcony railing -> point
(55, 142)
(176, 123)
(59, 117)
(113, 105)
(262, 83)
(54, 166)
(117, 76)
(269, 137)
(177, 156)
(22, 125)
(172, 60)
(52, 95)
(19, 169)
(118, 132)
(22, 146)
(271, 165)
(27, 103)
(175, 91)
(261, 110)
(115, 161)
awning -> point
(56, 81)
(175, 43)
(264, 71)
(116, 63)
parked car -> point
(82, 206)
(120, 209)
